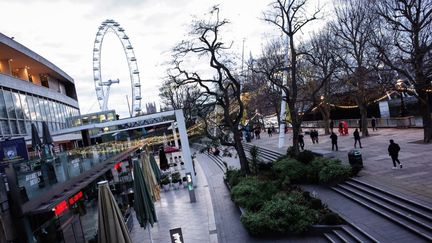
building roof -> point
(18, 51)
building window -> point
(13, 127)
(18, 107)
(3, 111)
(24, 106)
(10, 106)
(5, 127)
(31, 108)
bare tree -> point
(323, 63)
(291, 16)
(406, 46)
(223, 88)
(267, 72)
(354, 29)
(186, 97)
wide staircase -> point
(395, 211)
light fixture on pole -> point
(402, 88)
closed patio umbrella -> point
(163, 161)
(155, 168)
(112, 228)
(47, 138)
(36, 142)
(143, 204)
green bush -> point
(233, 176)
(279, 216)
(295, 170)
(334, 173)
(251, 193)
(313, 169)
(305, 156)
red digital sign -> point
(60, 208)
(75, 198)
(117, 165)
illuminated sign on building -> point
(75, 198)
(60, 208)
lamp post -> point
(401, 88)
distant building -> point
(151, 108)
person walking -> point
(316, 135)
(357, 138)
(269, 131)
(340, 128)
(393, 150)
(331, 125)
(373, 123)
(301, 141)
(334, 138)
(312, 135)
(360, 125)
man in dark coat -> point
(301, 141)
(357, 138)
(393, 150)
(334, 138)
(373, 123)
(312, 135)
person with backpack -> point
(357, 138)
(393, 150)
(334, 138)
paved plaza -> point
(215, 218)
(174, 210)
(412, 181)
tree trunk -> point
(363, 120)
(426, 116)
(325, 112)
(295, 122)
(244, 164)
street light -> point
(401, 88)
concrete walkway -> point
(174, 210)
(413, 180)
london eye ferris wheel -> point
(102, 86)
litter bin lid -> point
(354, 152)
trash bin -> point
(355, 159)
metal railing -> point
(380, 122)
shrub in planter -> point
(176, 179)
(233, 176)
(313, 169)
(305, 156)
(292, 168)
(334, 173)
(279, 216)
(251, 193)
(165, 182)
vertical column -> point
(5, 66)
(176, 144)
(186, 154)
(23, 74)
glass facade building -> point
(32, 90)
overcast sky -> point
(63, 31)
